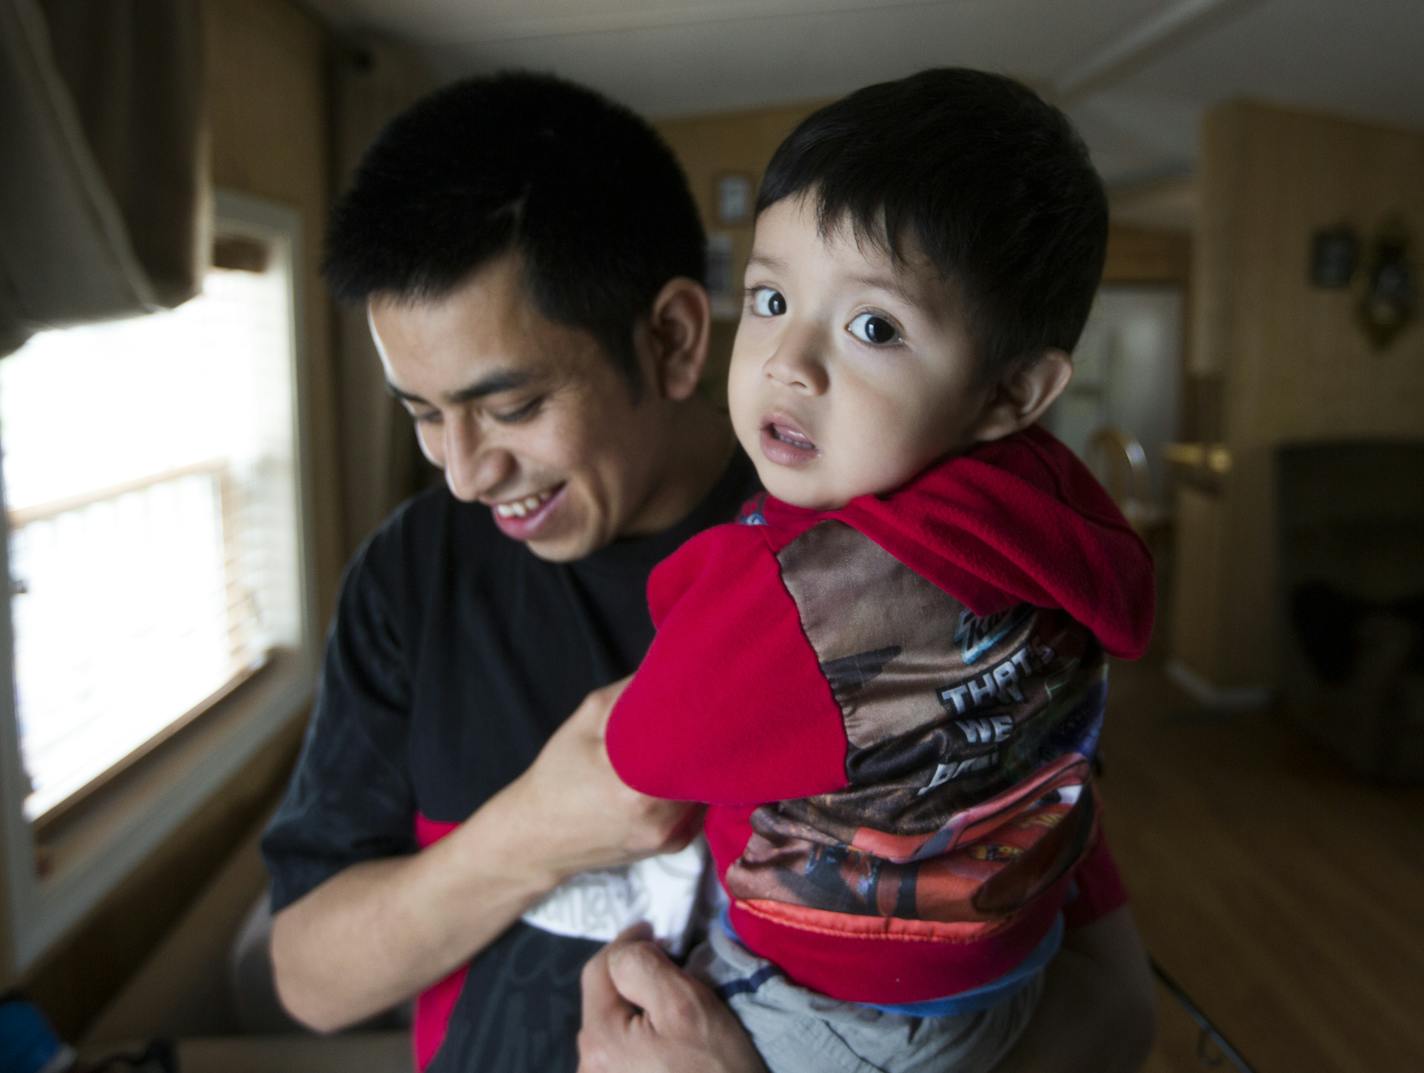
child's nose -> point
(797, 364)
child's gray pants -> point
(801, 1031)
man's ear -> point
(1020, 398)
(679, 326)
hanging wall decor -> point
(1390, 297)
(1334, 255)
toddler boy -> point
(887, 681)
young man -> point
(888, 681)
(529, 255)
(441, 792)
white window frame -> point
(95, 854)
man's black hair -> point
(983, 177)
(583, 190)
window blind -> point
(149, 470)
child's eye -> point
(871, 328)
(767, 302)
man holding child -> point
(528, 254)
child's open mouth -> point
(785, 444)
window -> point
(152, 492)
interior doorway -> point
(1128, 377)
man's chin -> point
(563, 536)
(560, 551)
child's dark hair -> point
(985, 178)
(581, 188)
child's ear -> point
(679, 327)
(1020, 398)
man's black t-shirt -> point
(455, 653)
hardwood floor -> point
(1284, 893)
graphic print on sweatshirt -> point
(969, 749)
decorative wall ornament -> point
(721, 277)
(735, 192)
(1390, 297)
(1334, 256)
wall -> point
(1287, 359)
(75, 981)
(267, 98)
(1139, 254)
(269, 102)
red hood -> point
(1019, 520)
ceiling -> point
(1135, 75)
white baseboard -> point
(1239, 698)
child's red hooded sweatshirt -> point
(891, 708)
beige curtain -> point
(103, 161)
(380, 464)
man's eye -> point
(520, 413)
(425, 417)
(870, 328)
(767, 302)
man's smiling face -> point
(525, 415)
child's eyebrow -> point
(889, 284)
(761, 260)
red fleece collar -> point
(1019, 520)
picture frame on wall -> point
(721, 282)
(734, 194)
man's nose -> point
(798, 363)
(473, 465)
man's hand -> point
(381, 930)
(642, 1014)
(1097, 1011)
(582, 816)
